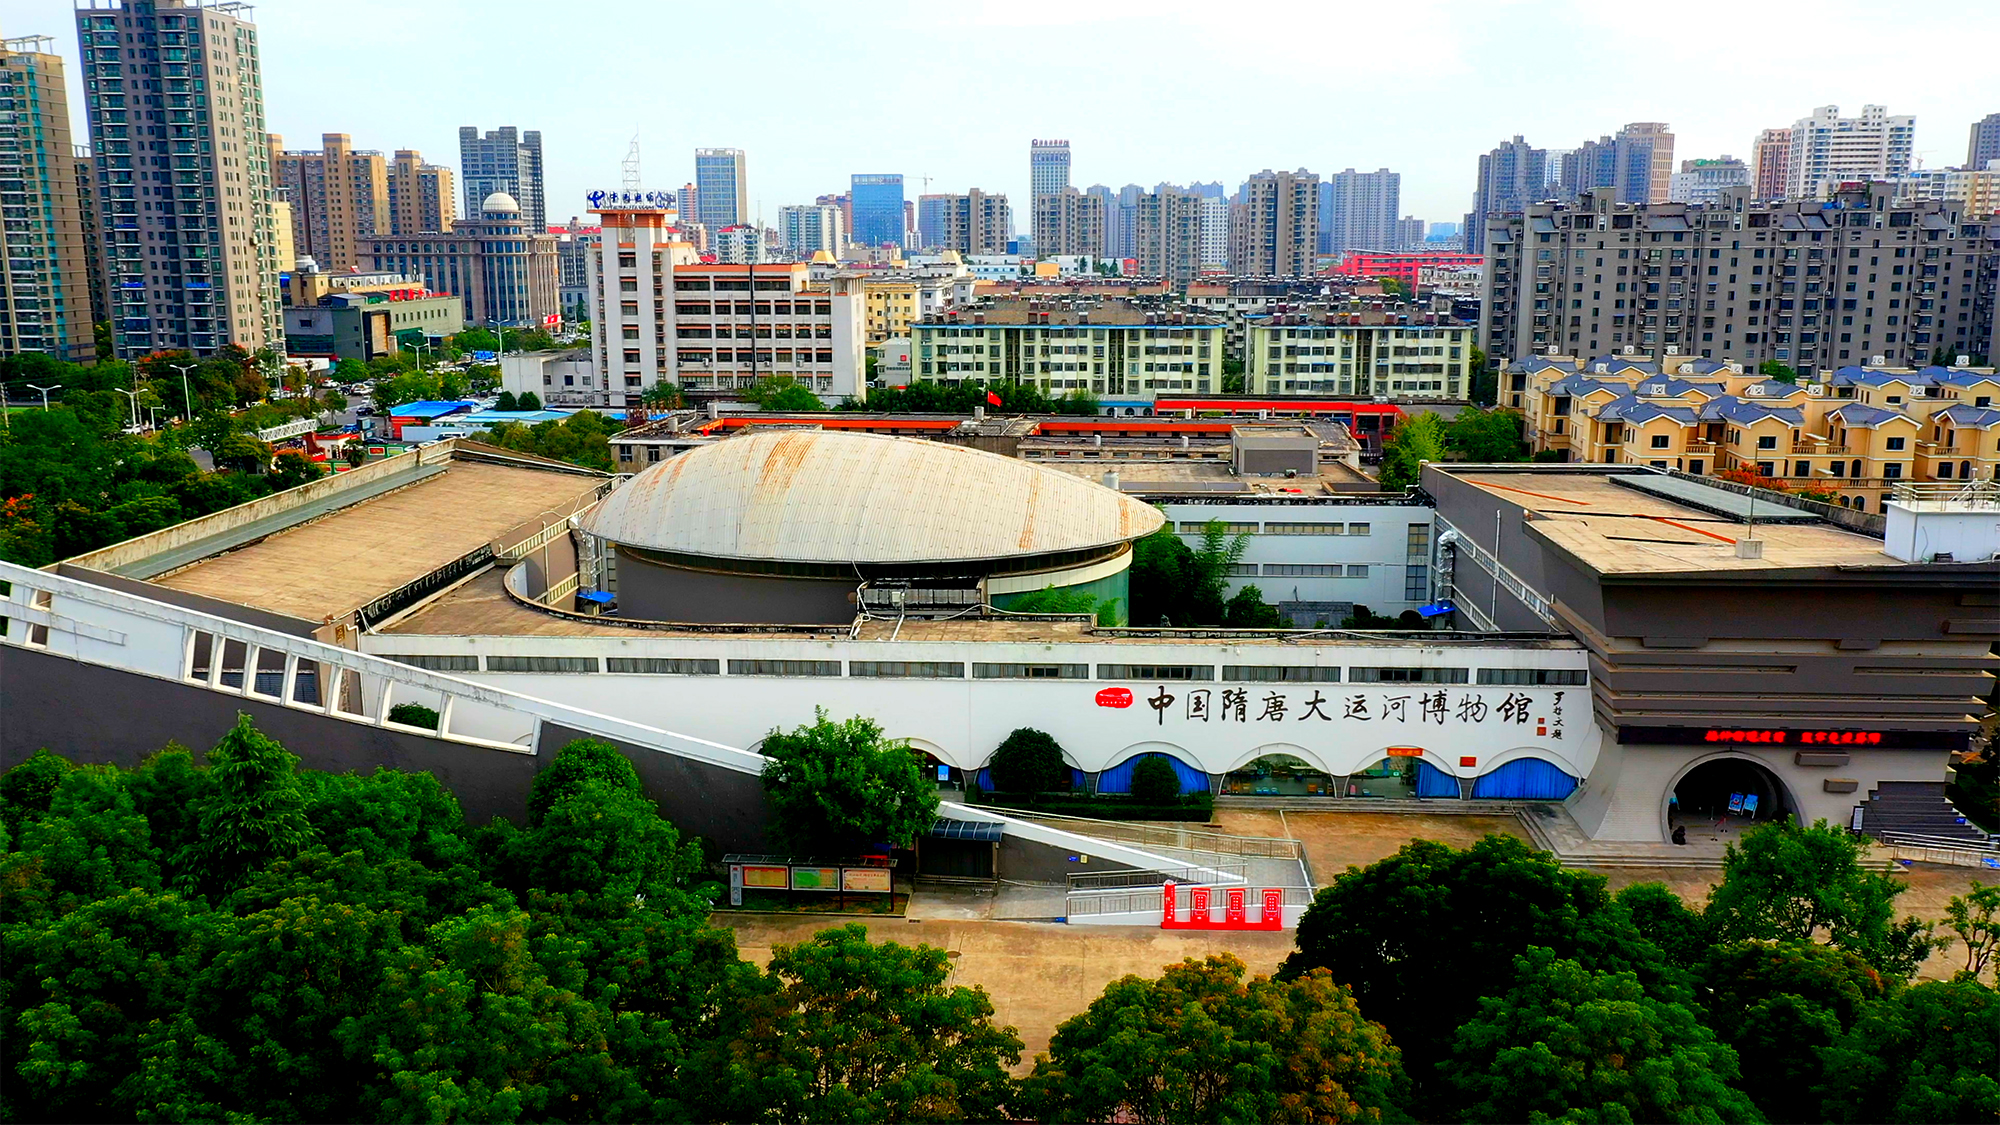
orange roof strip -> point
(1691, 527)
(1537, 495)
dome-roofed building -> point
(500, 203)
(789, 526)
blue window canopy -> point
(1118, 779)
(984, 778)
(1438, 609)
(1525, 779)
(1434, 782)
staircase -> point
(1916, 808)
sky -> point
(1144, 90)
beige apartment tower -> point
(1068, 221)
(422, 197)
(186, 211)
(338, 195)
(1274, 229)
(45, 291)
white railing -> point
(1158, 836)
(534, 542)
(1151, 904)
(75, 620)
(559, 591)
(290, 429)
(1463, 546)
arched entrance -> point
(1278, 775)
(1718, 798)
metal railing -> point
(1092, 904)
(1120, 880)
(1982, 495)
(1515, 586)
(534, 542)
(75, 620)
(1184, 839)
(417, 589)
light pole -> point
(45, 392)
(187, 396)
(134, 396)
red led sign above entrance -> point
(1803, 737)
(1782, 736)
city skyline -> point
(589, 117)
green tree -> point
(1485, 383)
(1930, 1052)
(1248, 610)
(1154, 781)
(529, 400)
(1666, 921)
(1486, 436)
(1162, 579)
(663, 396)
(843, 1029)
(836, 788)
(1975, 918)
(1772, 369)
(1974, 788)
(1420, 936)
(1232, 376)
(1208, 572)
(506, 402)
(1787, 882)
(1417, 438)
(1566, 1043)
(291, 469)
(1030, 761)
(1780, 1007)
(583, 438)
(1198, 1045)
(782, 393)
(356, 454)
(251, 813)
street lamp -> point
(45, 392)
(134, 396)
(187, 396)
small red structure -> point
(1235, 909)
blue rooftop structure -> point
(431, 409)
(1979, 417)
(1864, 416)
(1744, 412)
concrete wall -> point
(95, 715)
(653, 591)
(182, 534)
(249, 615)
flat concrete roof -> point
(1618, 530)
(482, 608)
(353, 555)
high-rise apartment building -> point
(89, 218)
(722, 187)
(1512, 176)
(1828, 149)
(1771, 163)
(1811, 287)
(689, 200)
(1637, 164)
(878, 208)
(573, 243)
(973, 223)
(808, 229)
(1069, 222)
(1984, 144)
(1107, 199)
(504, 160)
(1702, 181)
(1410, 233)
(1166, 233)
(1214, 256)
(1274, 229)
(337, 195)
(185, 206)
(45, 291)
(1048, 175)
(422, 198)
(1361, 210)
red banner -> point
(1115, 697)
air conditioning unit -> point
(1817, 390)
(1754, 390)
(1628, 350)
(1876, 361)
(1963, 361)
(1918, 392)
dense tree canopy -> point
(583, 438)
(1175, 584)
(1486, 436)
(962, 398)
(1199, 1044)
(840, 788)
(1417, 438)
(1030, 761)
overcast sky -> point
(1144, 91)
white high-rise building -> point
(190, 239)
(1827, 149)
(809, 228)
(1048, 174)
(1215, 233)
(1364, 210)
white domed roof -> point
(827, 496)
(500, 201)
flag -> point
(992, 399)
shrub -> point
(1154, 780)
(1030, 761)
(414, 715)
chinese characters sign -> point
(1438, 707)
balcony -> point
(1818, 448)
